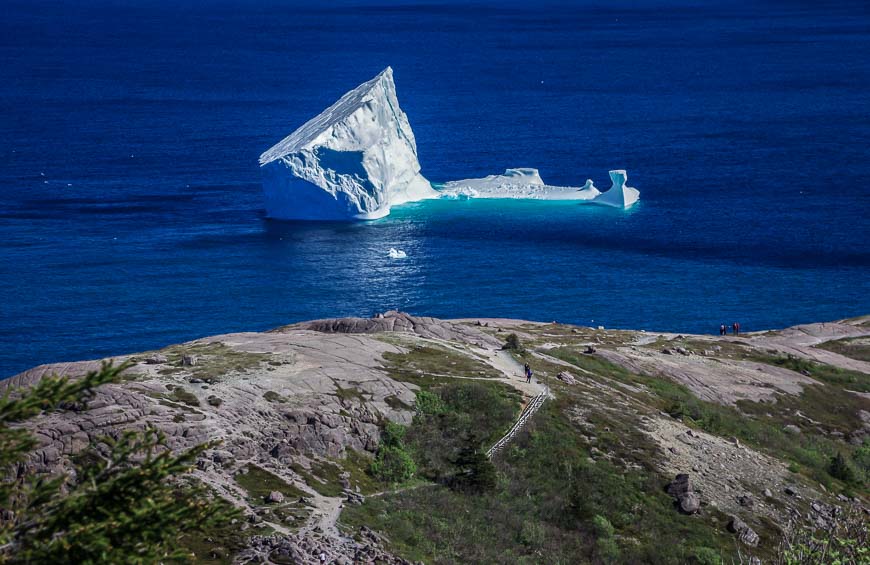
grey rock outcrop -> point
(566, 378)
(744, 533)
(395, 321)
(681, 488)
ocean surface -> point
(131, 212)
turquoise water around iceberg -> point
(131, 211)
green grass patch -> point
(357, 463)
(567, 335)
(323, 477)
(258, 483)
(272, 396)
(213, 361)
(842, 378)
(854, 347)
(351, 394)
(421, 360)
(218, 545)
(760, 425)
(184, 396)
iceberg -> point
(351, 162)
(522, 183)
(619, 195)
(358, 158)
(397, 253)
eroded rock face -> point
(394, 321)
(328, 396)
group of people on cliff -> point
(735, 329)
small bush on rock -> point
(513, 343)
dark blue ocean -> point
(131, 212)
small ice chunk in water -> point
(397, 253)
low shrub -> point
(513, 343)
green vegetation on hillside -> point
(842, 378)
(854, 347)
(762, 425)
(548, 501)
(258, 483)
(126, 503)
(213, 361)
(428, 361)
(545, 497)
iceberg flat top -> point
(523, 183)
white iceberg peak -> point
(397, 253)
(353, 161)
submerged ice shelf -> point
(359, 157)
(515, 183)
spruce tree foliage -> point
(841, 469)
(475, 473)
(126, 502)
(513, 343)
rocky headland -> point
(723, 442)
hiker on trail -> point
(526, 370)
(723, 329)
(529, 375)
(736, 328)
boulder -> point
(681, 489)
(791, 429)
(690, 503)
(744, 533)
(275, 496)
(156, 359)
(680, 485)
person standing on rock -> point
(722, 329)
(735, 328)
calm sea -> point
(130, 202)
